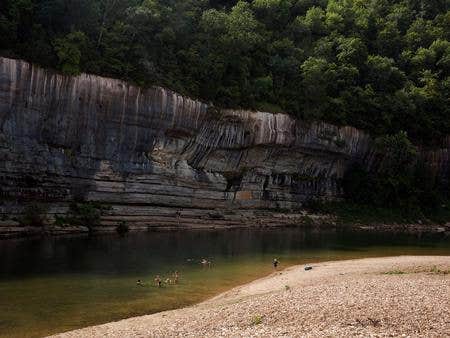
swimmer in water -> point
(205, 263)
(139, 283)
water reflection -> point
(55, 284)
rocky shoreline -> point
(373, 297)
(307, 221)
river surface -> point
(52, 285)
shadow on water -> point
(51, 285)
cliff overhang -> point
(159, 159)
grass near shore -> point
(352, 213)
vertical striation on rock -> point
(158, 158)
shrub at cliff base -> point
(122, 228)
(399, 182)
(34, 215)
(87, 214)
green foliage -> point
(350, 213)
(59, 221)
(395, 272)
(351, 50)
(34, 215)
(256, 320)
(379, 66)
(314, 20)
(436, 271)
(383, 75)
(397, 152)
(86, 214)
(69, 51)
(391, 183)
(122, 228)
(319, 77)
(242, 26)
(399, 181)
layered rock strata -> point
(156, 158)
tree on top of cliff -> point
(382, 66)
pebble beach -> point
(405, 296)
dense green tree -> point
(383, 75)
(273, 13)
(389, 41)
(352, 50)
(69, 50)
(379, 65)
(393, 182)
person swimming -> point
(158, 281)
(205, 263)
(139, 283)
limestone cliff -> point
(157, 158)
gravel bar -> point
(406, 296)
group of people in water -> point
(158, 281)
(205, 263)
(174, 278)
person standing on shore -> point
(275, 263)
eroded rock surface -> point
(157, 158)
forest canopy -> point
(379, 65)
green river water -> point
(51, 285)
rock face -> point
(157, 158)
